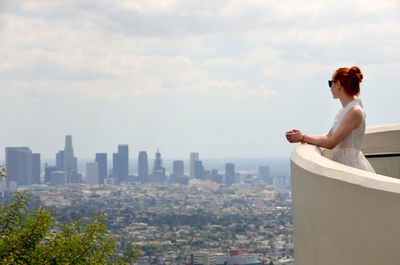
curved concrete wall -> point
(384, 139)
(343, 215)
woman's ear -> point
(339, 84)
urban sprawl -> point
(203, 217)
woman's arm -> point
(351, 120)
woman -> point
(347, 133)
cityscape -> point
(25, 169)
(153, 132)
(198, 216)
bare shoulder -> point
(354, 116)
(355, 111)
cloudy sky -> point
(224, 78)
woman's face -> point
(335, 88)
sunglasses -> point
(330, 82)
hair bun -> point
(356, 72)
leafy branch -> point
(36, 237)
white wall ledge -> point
(343, 215)
(309, 157)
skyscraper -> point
(92, 173)
(193, 157)
(143, 167)
(264, 174)
(70, 164)
(121, 163)
(158, 174)
(60, 160)
(19, 163)
(229, 173)
(178, 168)
(101, 159)
(36, 168)
(58, 177)
(123, 151)
(24, 167)
(178, 175)
(158, 161)
(279, 182)
(198, 169)
(47, 173)
(115, 168)
(216, 177)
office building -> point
(280, 182)
(121, 163)
(70, 163)
(158, 174)
(36, 168)
(19, 164)
(178, 175)
(207, 174)
(204, 258)
(101, 159)
(74, 178)
(92, 173)
(237, 260)
(47, 171)
(198, 170)
(58, 178)
(60, 160)
(229, 173)
(178, 168)
(143, 167)
(158, 161)
(193, 157)
(216, 177)
(123, 151)
(238, 177)
(264, 174)
(24, 167)
(116, 166)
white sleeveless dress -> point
(348, 152)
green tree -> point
(35, 237)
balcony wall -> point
(343, 215)
(384, 139)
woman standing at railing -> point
(347, 133)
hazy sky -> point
(224, 78)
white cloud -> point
(226, 57)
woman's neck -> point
(346, 99)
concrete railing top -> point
(385, 138)
(378, 139)
(382, 128)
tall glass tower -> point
(101, 159)
(70, 164)
(193, 158)
(158, 170)
(121, 163)
(178, 168)
(24, 166)
(143, 167)
(229, 173)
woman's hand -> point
(294, 136)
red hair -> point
(350, 79)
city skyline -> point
(134, 153)
(65, 168)
(222, 78)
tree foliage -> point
(36, 237)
